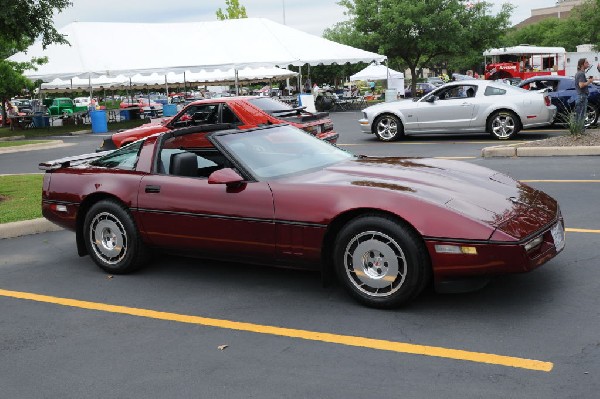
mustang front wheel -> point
(388, 128)
(112, 239)
(380, 261)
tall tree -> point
(233, 11)
(419, 32)
(21, 22)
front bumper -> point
(496, 258)
(365, 126)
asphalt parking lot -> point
(194, 328)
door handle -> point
(152, 189)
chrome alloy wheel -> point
(503, 125)
(387, 128)
(375, 264)
(108, 238)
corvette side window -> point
(124, 158)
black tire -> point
(388, 127)
(591, 117)
(112, 239)
(380, 261)
(503, 125)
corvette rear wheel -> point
(388, 128)
(503, 125)
(381, 262)
(112, 239)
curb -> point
(34, 226)
(33, 147)
(515, 151)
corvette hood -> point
(476, 192)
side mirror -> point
(226, 176)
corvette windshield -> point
(280, 151)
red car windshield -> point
(280, 151)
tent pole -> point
(237, 89)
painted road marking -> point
(347, 340)
(572, 230)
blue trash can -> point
(169, 109)
(124, 115)
(38, 119)
(98, 119)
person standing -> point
(582, 86)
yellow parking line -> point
(572, 230)
(348, 340)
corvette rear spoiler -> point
(68, 161)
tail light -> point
(547, 101)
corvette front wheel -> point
(381, 262)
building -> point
(562, 9)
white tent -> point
(395, 79)
(113, 49)
(376, 72)
(169, 79)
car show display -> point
(275, 195)
(241, 112)
(461, 106)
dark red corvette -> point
(276, 195)
(241, 112)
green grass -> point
(14, 143)
(20, 197)
(63, 130)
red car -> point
(241, 112)
(275, 195)
(138, 102)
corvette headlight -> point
(533, 243)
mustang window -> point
(494, 91)
(123, 158)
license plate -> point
(558, 235)
(318, 129)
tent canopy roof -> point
(376, 72)
(217, 76)
(111, 49)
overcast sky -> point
(312, 16)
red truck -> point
(524, 61)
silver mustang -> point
(462, 106)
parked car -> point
(462, 106)
(242, 112)
(562, 93)
(64, 105)
(23, 105)
(421, 90)
(139, 103)
(275, 195)
(435, 80)
(82, 102)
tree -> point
(21, 23)
(422, 32)
(233, 11)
